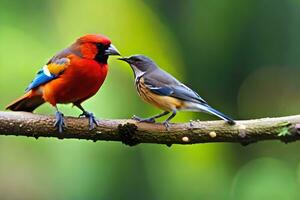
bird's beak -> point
(124, 59)
(112, 50)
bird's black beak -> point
(124, 59)
(112, 50)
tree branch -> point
(286, 129)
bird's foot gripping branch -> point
(131, 132)
(58, 81)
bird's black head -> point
(140, 63)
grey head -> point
(140, 64)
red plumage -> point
(72, 76)
(81, 80)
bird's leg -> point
(59, 122)
(139, 119)
(150, 119)
(166, 123)
(89, 115)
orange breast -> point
(81, 80)
(166, 103)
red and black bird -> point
(72, 76)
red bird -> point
(71, 76)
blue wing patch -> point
(163, 91)
(43, 76)
(49, 72)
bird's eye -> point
(100, 45)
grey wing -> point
(183, 92)
(64, 53)
(162, 83)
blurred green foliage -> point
(241, 56)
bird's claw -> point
(60, 122)
(92, 119)
(147, 120)
(81, 115)
(167, 125)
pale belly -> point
(163, 102)
(166, 103)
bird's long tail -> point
(208, 109)
(28, 102)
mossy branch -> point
(286, 129)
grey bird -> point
(162, 90)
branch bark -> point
(285, 129)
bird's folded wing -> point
(163, 91)
(174, 89)
(49, 72)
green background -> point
(242, 56)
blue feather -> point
(219, 114)
(40, 79)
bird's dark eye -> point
(100, 46)
(100, 56)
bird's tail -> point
(208, 109)
(28, 102)
(220, 115)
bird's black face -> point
(105, 50)
(140, 62)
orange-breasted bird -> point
(72, 76)
(162, 90)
